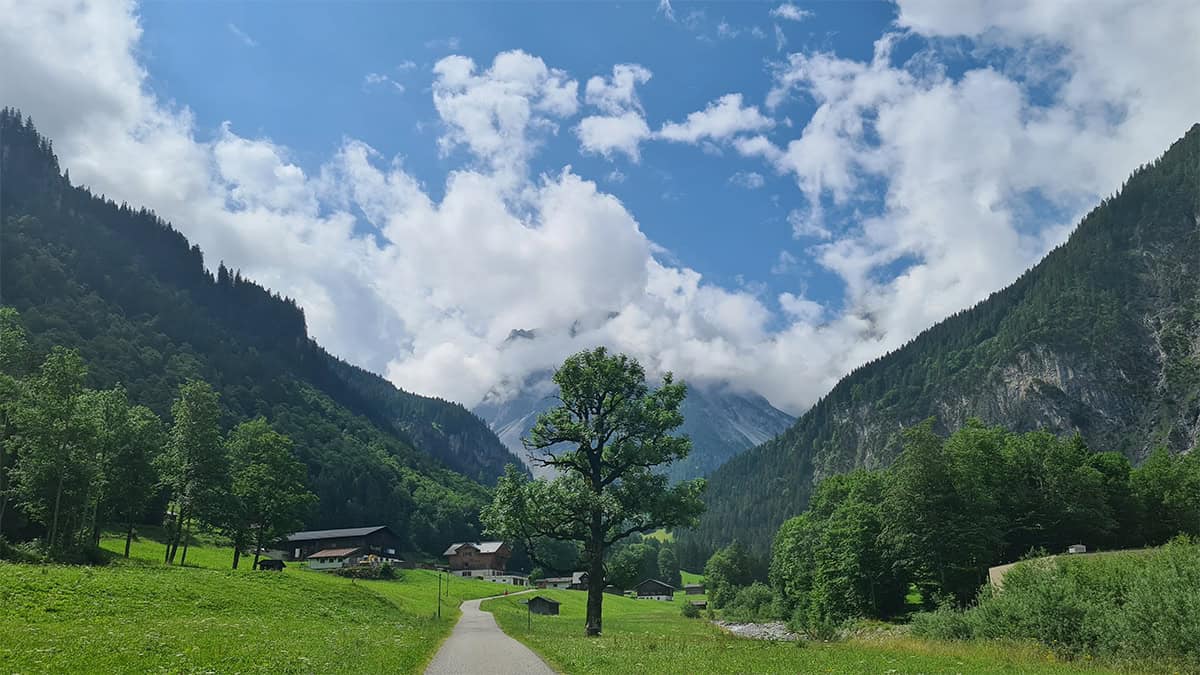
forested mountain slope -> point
(1101, 337)
(129, 292)
(720, 421)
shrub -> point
(753, 603)
(1131, 605)
(690, 611)
(817, 626)
(384, 571)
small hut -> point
(653, 589)
(693, 589)
(541, 605)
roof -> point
(693, 585)
(336, 534)
(481, 546)
(334, 553)
(556, 580)
(543, 599)
(663, 584)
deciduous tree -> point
(606, 439)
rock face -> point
(1102, 338)
(720, 421)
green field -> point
(652, 637)
(141, 616)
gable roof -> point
(656, 582)
(334, 553)
(336, 534)
(543, 599)
(481, 546)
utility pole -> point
(439, 609)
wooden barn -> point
(540, 605)
(377, 539)
(693, 589)
(653, 589)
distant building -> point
(653, 589)
(377, 539)
(485, 560)
(335, 558)
(694, 589)
(698, 604)
(578, 581)
(1076, 548)
(540, 605)
(613, 590)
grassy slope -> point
(649, 636)
(140, 616)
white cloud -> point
(785, 264)
(780, 39)
(242, 36)
(751, 180)
(615, 176)
(906, 166)
(789, 12)
(664, 8)
(379, 79)
(623, 127)
(617, 94)
(610, 134)
(407, 64)
(499, 113)
(722, 119)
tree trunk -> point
(57, 501)
(258, 542)
(179, 518)
(96, 519)
(237, 552)
(595, 577)
(187, 539)
(128, 536)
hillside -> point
(720, 421)
(130, 293)
(1101, 337)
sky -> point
(459, 195)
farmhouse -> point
(335, 558)
(693, 589)
(653, 589)
(486, 560)
(576, 582)
(377, 539)
(539, 605)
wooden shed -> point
(542, 605)
(653, 589)
(693, 589)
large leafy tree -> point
(130, 439)
(269, 496)
(194, 466)
(605, 440)
(52, 480)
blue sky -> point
(297, 77)
(764, 195)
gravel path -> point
(477, 645)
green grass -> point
(143, 616)
(649, 636)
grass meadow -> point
(139, 615)
(653, 637)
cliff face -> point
(1101, 337)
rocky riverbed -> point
(773, 630)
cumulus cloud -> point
(623, 127)
(722, 119)
(789, 12)
(901, 166)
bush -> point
(817, 626)
(384, 571)
(1130, 605)
(690, 611)
(752, 604)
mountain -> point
(1101, 337)
(134, 297)
(720, 421)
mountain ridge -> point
(1102, 337)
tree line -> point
(75, 461)
(947, 510)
